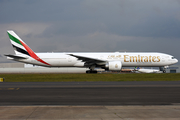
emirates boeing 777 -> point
(112, 61)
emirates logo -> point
(116, 66)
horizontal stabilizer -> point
(16, 57)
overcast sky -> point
(92, 25)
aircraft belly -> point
(142, 64)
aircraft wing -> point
(89, 60)
(15, 57)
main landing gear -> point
(92, 70)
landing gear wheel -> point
(164, 71)
(91, 71)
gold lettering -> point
(126, 57)
(112, 56)
(142, 58)
(146, 59)
(139, 58)
(118, 56)
(153, 58)
(109, 57)
(132, 57)
(158, 59)
(150, 58)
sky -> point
(92, 25)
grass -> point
(89, 77)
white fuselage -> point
(129, 59)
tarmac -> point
(90, 112)
(90, 101)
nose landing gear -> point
(163, 69)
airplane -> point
(142, 70)
(112, 61)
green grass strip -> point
(89, 77)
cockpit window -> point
(173, 58)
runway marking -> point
(9, 88)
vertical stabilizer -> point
(21, 48)
(17, 43)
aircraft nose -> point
(176, 60)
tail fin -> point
(137, 68)
(20, 47)
(17, 43)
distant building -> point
(11, 65)
(27, 68)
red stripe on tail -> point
(32, 54)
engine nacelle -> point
(113, 65)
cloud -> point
(157, 18)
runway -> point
(90, 93)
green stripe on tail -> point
(14, 39)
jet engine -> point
(113, 65)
